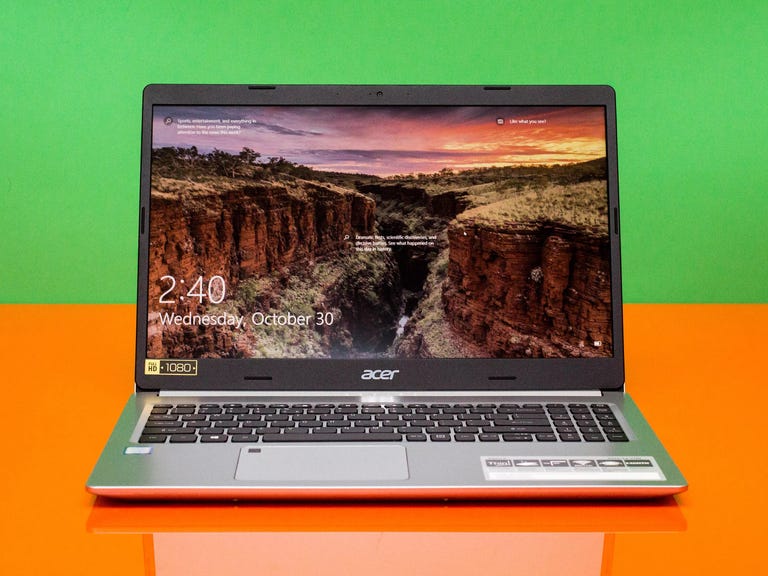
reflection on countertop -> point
(404, 539)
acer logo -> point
(378, 374)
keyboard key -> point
(517, 421)
(162, 418)
(184, 438)
(153, 431)
(486, 437)
(440, 437)
(337, 424)
(450, 424)
(245, 438)
(152, 439)
(517, 429)
(594, 438)
(611, 422)
(416, 437)
(325, 431)
(459, 437)
(213, 438)
(156, 424)
(304, 418)
(517, 437)
(570, 437)
(546, 437)
(617, 437)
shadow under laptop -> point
(390, 538)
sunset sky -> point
(393, 140)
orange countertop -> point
(67, 371)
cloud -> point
(277, 129)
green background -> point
(691, 79)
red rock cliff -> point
(236, 230)
(529, 289)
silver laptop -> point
(380, 292)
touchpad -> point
(322, 463)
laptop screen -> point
(379, 232)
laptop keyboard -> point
(387, 422)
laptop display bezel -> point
(412, 375)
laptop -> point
(380, 292)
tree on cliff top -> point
(223, 163)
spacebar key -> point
(380, 437)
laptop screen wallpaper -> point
(386, 232)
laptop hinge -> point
(383, 395)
